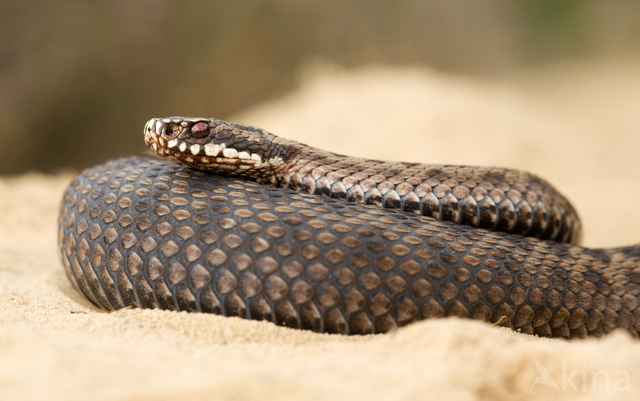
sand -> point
(575, 124)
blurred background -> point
(79, 79)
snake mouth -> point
(209, 156)
(221, 160)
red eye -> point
(200, 130)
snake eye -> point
(200, 130)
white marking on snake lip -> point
(183, 147)
(244, 155)
(154, 147)
(230, 153)
(172, 143)
(189, 159)
(205, 160)
(195, 149)
(227, 163)
(212, 149)
(256, 157)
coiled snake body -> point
(294, 235)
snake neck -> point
(497, 199)
(302, 165)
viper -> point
(236, 221)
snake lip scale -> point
(260, 227)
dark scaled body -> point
(147, 233)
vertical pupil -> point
(200, 130)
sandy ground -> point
(575, 124)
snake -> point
(232, 220)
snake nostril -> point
(170, 131)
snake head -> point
(217, 146)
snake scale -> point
(252, 225)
